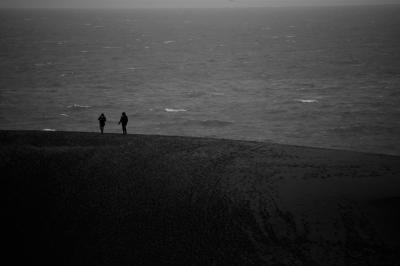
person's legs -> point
(101, 129)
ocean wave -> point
(66, 74)
(78, 106)
(65, 115)
(174, 110)
(168, 42)
(48, 129)
(209, 123)
(365, 129)
(307, 100)
(111, 47)
(43, 64)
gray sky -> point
(177, 3)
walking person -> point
(102, 122)
(124, 122)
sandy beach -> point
(89, 199)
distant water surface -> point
(324, 77)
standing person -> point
(102, 122)
(124, 122)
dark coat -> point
(102, 120)
(124, 120)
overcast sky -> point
(176, 3)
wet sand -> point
(89, 199)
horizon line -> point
(204, 7)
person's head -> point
(102, 114)
(123, 113)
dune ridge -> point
(88, 199)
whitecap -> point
(290, 36)
(111, 47)
(84, 51)
(175, 110)
(146, 47)
(48, 129)
(77, 106)
(64, 115)
(168, 42)
(307, 100)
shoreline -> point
(271, 142)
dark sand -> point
(91, 199)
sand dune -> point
(91, 199)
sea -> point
(312, 76)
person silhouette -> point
(102, 122)
(124, 122)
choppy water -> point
(326, 77)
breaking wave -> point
(77, 106)
(174, 110)
(307, 100)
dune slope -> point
(89, 199)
